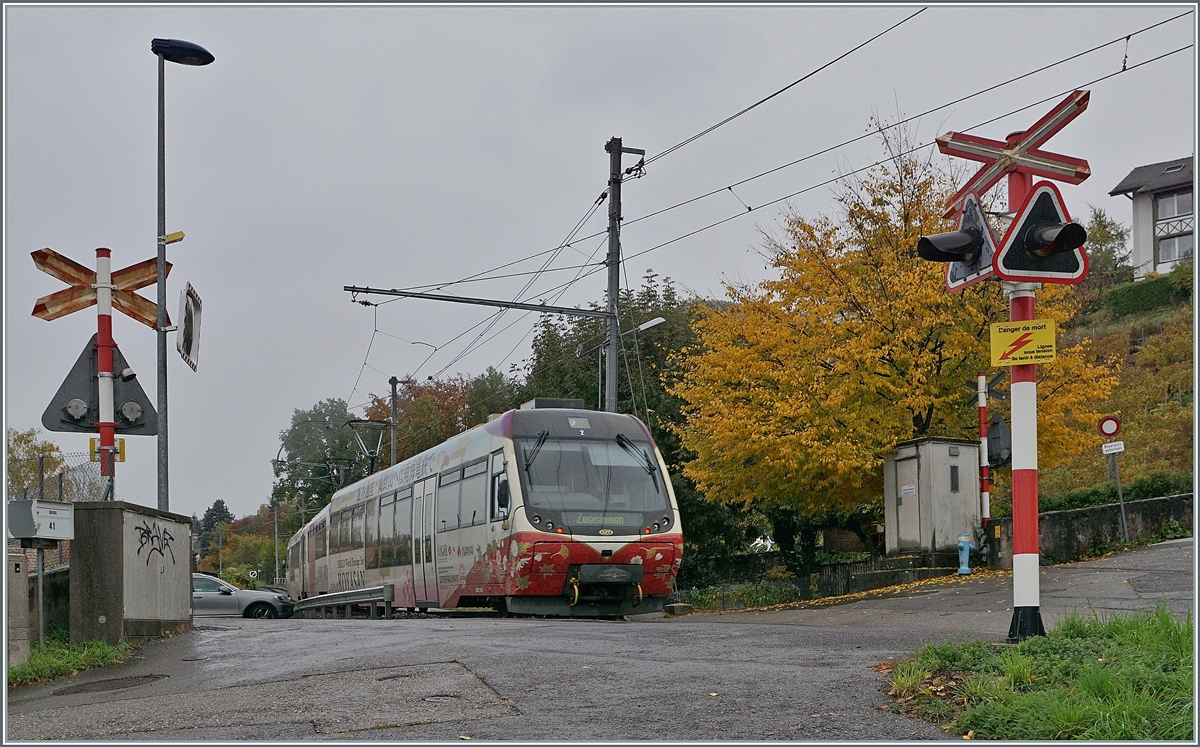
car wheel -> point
(261, 610)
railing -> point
(829, 580)
(838, 579)
(328, 603)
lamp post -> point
(600, 359)
(182, 53)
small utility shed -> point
(930, 494)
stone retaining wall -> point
(1064, 536)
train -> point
(542, 511)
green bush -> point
(239, 576)
(1157, 485)
(1149, 294)
(1152, 485)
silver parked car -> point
(212, 596)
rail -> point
(326, 603)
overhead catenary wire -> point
(697, 136)
(911, 150)
(1122, 39)
(789, 86)
(1125, 68)
(493, 319)
(906, 120)
(414, 434)
(959, 100)
(562, 289)
(582, 275)
(842, 176)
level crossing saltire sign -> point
(1021, 343)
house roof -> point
(1155, 178)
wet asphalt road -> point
(802, 674)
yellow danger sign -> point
(94, 449)
(1021, 343)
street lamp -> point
(182, 53)
(647, 325)
(603, 349)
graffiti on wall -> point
(154, 539)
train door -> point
(424, 574)
(305, 544)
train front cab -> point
(595, 528)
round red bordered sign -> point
(1109, 426)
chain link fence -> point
(70, 476)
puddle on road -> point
(101, 686)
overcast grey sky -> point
(405, 146)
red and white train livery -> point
(557, 512)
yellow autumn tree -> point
(26, 472)
(800, 384)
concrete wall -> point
(18, 610)
(130, 574)
(1069, 535)
(56, 599)
(1142, 255)
(158, 572)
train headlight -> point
(666, 520)
(549, 524)
(536, 519)
(655, 527)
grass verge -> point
(1117, 677)
(59, 658)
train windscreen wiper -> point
(531, 453)
(647, 461)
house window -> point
(1174, 248)
(1172, 205)
(1173, 227)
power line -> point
(495, 317)
(853, 140)
(481, 275)
(581, 274)
(911, 150)
(732, 117)
(562, 289)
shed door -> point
(908, 514)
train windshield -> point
(589, 486)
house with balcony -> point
(1163, 222)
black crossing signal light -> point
(953, 246)
(967, 252)
(1048, 239)
(1043, 244)
(999, 442)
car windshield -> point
(593, 482)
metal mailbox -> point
(50, 520)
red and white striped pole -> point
(985, 477)
(104, 368)
(1027, 617)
